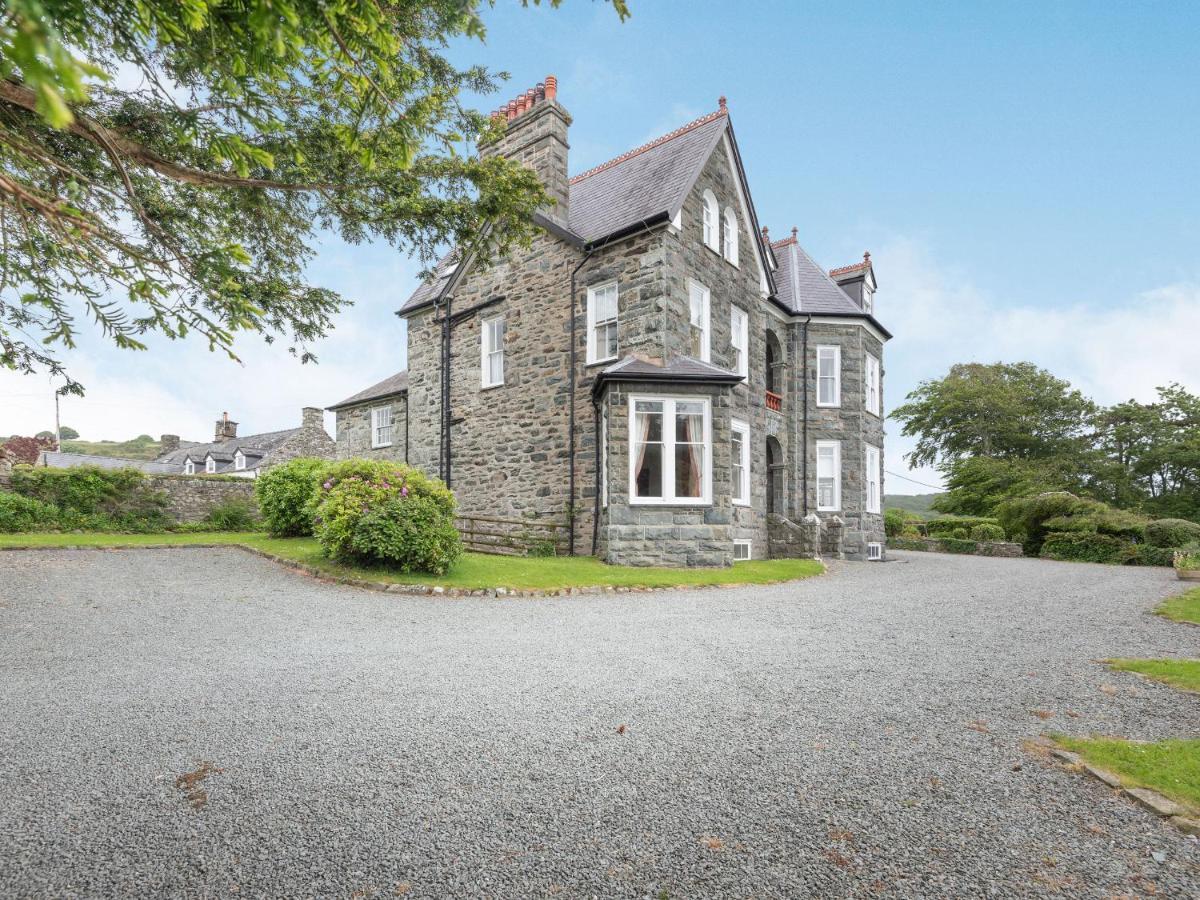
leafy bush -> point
(1033, 518)
(19, 513)
(1187, 557)
(956, 534)
(1086, 546)
(233, 514)
(88, 497)
(1145, 555)
(894, 521)
(1171, 533)
(382, 512)
(950, 524)
(985, 531)
(288, 494)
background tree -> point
(26, 449)
(67, 433)
(185, 196)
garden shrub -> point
(19, 513)
(949, 524)
(88, 497)
(957, 534)
(1172, 533)
(957, 545)
(894, 521)
(1059, 512)
(233, 514)
(288, 494)
(1145, 555)
(987, 532)
(387, 513)
(1086, 546)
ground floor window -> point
(873, 477)
(740, 456)
(741, 551)
(670, 443)
(829, 476)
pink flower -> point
(328, 485)
(404, 491)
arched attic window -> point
(729, 224)
(712, 238)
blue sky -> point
(1026, 176)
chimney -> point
(226, 429)
(536, 136)
(312, 418)
(169, 443)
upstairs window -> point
(602, 322)
(829, 376)
(739, 337)
(873, 479)
(829, 476)
(710, 215)
(729, 227)
(381, 426)
(492, 351)
(740, 456)
(210, 465)
(189, 467)
(873, 398)
(698, 301)
(239, 461)
(670, 455)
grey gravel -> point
(857, 734)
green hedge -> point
(94, 499)
(1172, 533)
(951, 524)
(287, 495)
(987, 532)
(19, 513)
(1085, 546)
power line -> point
(936, 487)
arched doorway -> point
(774, 476)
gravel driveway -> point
(804, 739)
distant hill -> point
(143, 447)
(921, 504)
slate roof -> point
(256, 447)
(680, 369)
(393, 384)
(58, 460)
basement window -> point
(741, 551)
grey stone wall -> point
(191, 497)
(354, 431)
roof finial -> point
(795, 231)
(721, 103)
(766, 235)
(867, 257)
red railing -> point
(774, 401)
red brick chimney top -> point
(543, 90)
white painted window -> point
(491, 351)
(872, 380)
(381, 426)
(739, 337)
(740, 456)
(698, 304)
(670, 450)
(189, 467)
(709, 212)
(742, 551)
(729, 228)
(829, 376)
(829, 476)
(874, 551)
(239, 461)
(872, 480)
(210, 465)
(602, 313)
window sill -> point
(829, 405)
(600, 362)
(711, 248)
(490, 387)
(822, 509)
(744, 504)
(380, 446)
(691, 504)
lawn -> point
(1170, 767)
(1178, 673)
(1183, 608)
(474, 570)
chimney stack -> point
(226, 429)
(169, 443)
(536, 136)
(312, 417)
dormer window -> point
(712, 238)
(189, 467)
(729, 225)
(239, 461)
(210, 465)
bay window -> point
(872, 480)
(829, 476)
(602, 322)
(829, 376)
(740, 456)
(491, 348)
(670, 458)
(698, 302)
(739, 337)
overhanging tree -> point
(167, 165)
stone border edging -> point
(1161, 806)
(413, 590)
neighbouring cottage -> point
(653, 370)
(374, 422)
(246, 456)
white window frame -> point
(668, 443)
(189, 467)
(705, 315)
(836, 446)
(874, 480)
(239, 461)
(729, 234)
(710, 221)
(826, 351)
(487, 351)
(749, 545)
(376, 426)
(743, 429)
(210, 465)
(874, 394)
(592, 324)
(739, 339)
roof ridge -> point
(695, 123)
(865, 264)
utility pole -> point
(57, 427)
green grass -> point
(1183, 608)
(1170, 767)
(474, 570)
(1178, 673)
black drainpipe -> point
(446, 449)
(804, 420)
(406, 429)
(571, 412)
(596, 506)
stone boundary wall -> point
(1005, 549)
(191, 497)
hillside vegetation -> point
(141, 447)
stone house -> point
(374, 422)
(653, 370)
(246, 456)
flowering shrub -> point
(287, 495)
(386, 513)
